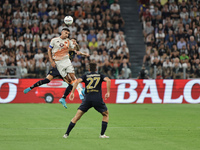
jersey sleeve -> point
(83, 78)
(51, 43)
(102, 77)
(71, 45)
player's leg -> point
(85, 105)
(104, 124)
(67, 91)
(72, 78)
(73, 122)
(101, 107)
(39, 83)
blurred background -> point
(157, 39)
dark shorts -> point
(55, 73)
(100, 106)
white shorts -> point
(64, 66)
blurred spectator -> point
(123, 50)
(121, 42)
(20, 42)
(23, 70)
(115, 7)
(189, 71)
(181, 43)
(11, 71)
(167, 63)
(111, 43)
(115, 72)
(39, 55)
(184, 13)
(3, 65)
(21, 62)
(194, 13)
(89, 19)
(91, 35)
(143, 74)
(9, 41)
(126, 72)
(104, 56)
(191, 43)
(177, 70)
(28, 35)
(93, 45)
(186, 20)
(146, 16)
(81, 35)
(35, 29)
(148, 29)
(95, 56)
(28, 26)
(20, 55)
(84, 49)
(4, 57)
(77, 65)
(16, 6)
(79, 12)
(7, 5)
(40, 67)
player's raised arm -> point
(50, 54)
(50, 57)
(108, 82)
(76, 48)
(79, 80)
(84, 54)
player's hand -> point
(74, 42)
(53, 64)
(107, 95)
(78, 53)
(71, 97)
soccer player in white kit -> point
(58, 53)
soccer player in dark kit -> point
(93, 98)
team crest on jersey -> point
(61, 44)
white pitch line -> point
(98, 127)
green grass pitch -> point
(131, 127)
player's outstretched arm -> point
(80, 53)
(108, 83)
(50, 57)
(79, 80)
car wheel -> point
(49, 98)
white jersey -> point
(60, 48)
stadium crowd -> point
(171, 30)
(27, 26)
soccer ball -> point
(68, 20)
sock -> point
(103, 127)
(40, 83)
(79, 88)
(70, 127)
(67, 91)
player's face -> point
(65, 34)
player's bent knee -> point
(105, 113)
(72, 76)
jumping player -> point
(53, 73)
(58, 53)
(93, 98)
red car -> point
(54, 89)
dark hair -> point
(66, 29)
(93, 67)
